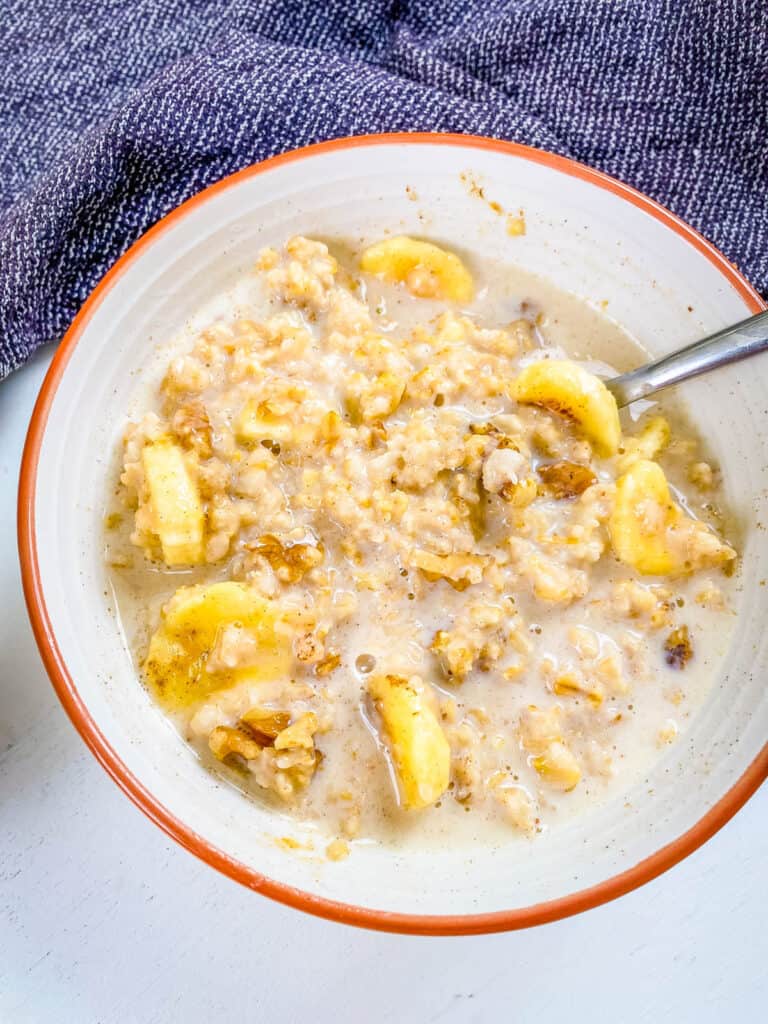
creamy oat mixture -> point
(389, 559)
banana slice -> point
(427, 271)
(192, 623)
(566, 388)
(174, 500)
(417, 744)
(652, 534)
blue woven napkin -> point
(114, 111)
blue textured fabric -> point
(114, 111)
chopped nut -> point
(290, 562)
(566, 479)
(300, 734)
(678, 648)
(191, 425)
(224, 741)
(265, 723)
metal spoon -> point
(728, 346)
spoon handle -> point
(728, 346)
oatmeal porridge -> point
(390, 560)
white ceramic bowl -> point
(585, 232)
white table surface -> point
(104, 919)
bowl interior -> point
(584, 238)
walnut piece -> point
(265, 723)
(566, 479)
(281, 756)
(224, 741)
(290, 562)
(678, 648)
(299, 734)
(191, 425)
